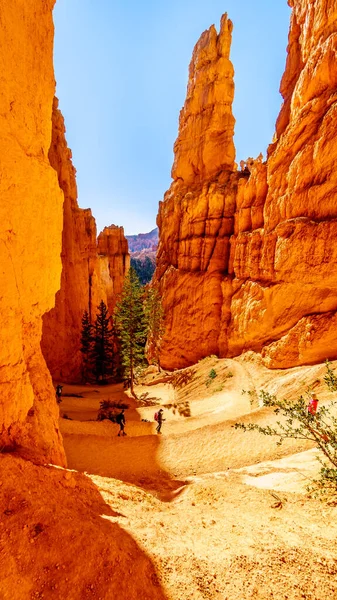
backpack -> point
(119, 418)
(155, 416)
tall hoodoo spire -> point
(206, 126)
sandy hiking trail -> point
(199, 498)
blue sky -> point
(121, 68)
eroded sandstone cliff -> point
(247, 258)
(92, 269)
(30, 229)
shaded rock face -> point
(247, 259)
(92, 270)
(30, 230)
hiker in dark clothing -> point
(159, 420)
(126, 384)
(58, 394)
(120, 419)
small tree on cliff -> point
(86, 344)
(102, 350)
(131, 325)
(155, 321)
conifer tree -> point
(102, 346)
(155, 321)
(131, 325)
(86, 344)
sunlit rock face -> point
(92, 270)
(30, 229)
(206, 125)
(196, 219)
(112, 248)
(247, 259)
(301, 204)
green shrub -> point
(211, 376)
(330, 378)
(299, 424)
(253, 397)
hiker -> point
(126, 384)
(312, 406)
(120, 419)
(159, 418)
(59, 393)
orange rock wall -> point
(112, 244)
(92, 270)
(205, 143)
(30, 229)
(247, 259)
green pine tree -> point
(144, 268)
(86, 344)
(155, 320)
(131, 325)
(103, 344)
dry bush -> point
(182, 378)
(183, 408)
(109, 410)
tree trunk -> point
(132, 380)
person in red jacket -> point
(312, 406)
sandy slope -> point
(188, 515)
(58, 540)
(198, 498)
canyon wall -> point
(92, 269)
(247, 258)
(30, 229)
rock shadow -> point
(59, 540)
(132, 459)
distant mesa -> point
(143, 251)
(143, 241)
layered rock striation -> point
(92, 269)
(247, 258)
(30, 230)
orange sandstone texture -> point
(205, 143)
(247, 259)
(30, 229)
(112, 248)
(92, 270)
(60, 540)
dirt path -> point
(198, 498)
